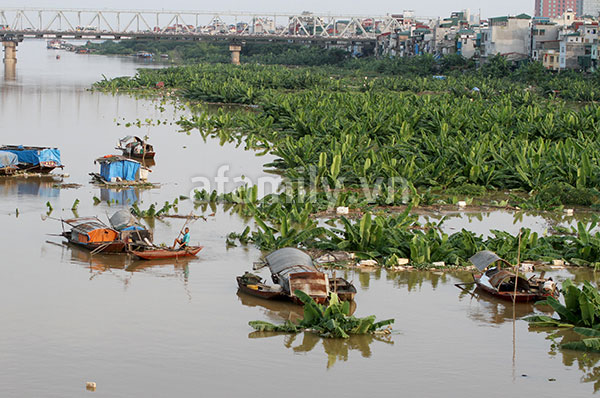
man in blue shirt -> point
(185, 240)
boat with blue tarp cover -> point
(35, 159)
(119, 170)
(9, 163)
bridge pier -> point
(10, 59)
(235, 53)
(10, 52)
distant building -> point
(509, 36)
(554, 8)
(544, 42)
(591, 7)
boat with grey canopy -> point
(291, 270)
(496, 277)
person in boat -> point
(185, 239)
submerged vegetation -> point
(377, 136)
(333, 321)
(581, 308)
(581, 312)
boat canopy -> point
(114, 167)
(500, 279)
(483, 259)
(8, 159)
(129, 138)
(286, 262)
(283, 259)
(35, 156)
(122, 219)
(91, 230)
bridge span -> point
(235, 28)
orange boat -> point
(155, 254)
(92, 234)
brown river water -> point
(181, 329)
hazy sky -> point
(377, 7)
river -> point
(180, 328)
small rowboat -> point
(156, 254)
(255, 286)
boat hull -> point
(260, 290)
(344, 289)
(38, 168)
(157, 254)
(113, 247)
(521, 297)
(147, 155)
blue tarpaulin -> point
(123, 169)
(8, 159)
(35, 156)
(133, 228)
(126, 196)
(50, 155)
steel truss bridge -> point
(88, 24)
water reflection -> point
(274, 310)
(335, 349)
(489, 310)
(504, 220)
(414, 280)
(99, 264)
(588, 363)
(278, 310)
(44, 187)
(10, 70)
(126, 196)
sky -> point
(427, 8)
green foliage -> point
(353, 140)
(333, 321)
(152, 212)
(581, 308)
(589, 344)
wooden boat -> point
(501, 282)
(34, 159)
(291, 270)
(344, 289)
(130, 230)
(92, 234)
(155, 254)
(135, 147)
(255, 286)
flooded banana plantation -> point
(180, 325)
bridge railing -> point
(94, 22)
